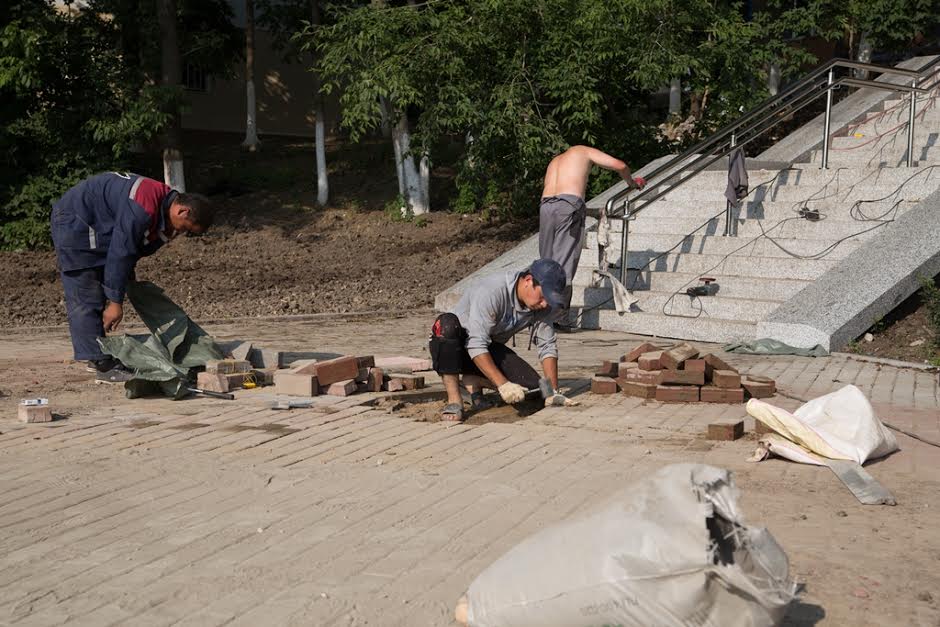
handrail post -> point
(625, 236)
(910, 126)
(734, 142)
(825, 150)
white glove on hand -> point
(511, 392)
(560, 400)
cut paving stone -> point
(363, 375)
(241, 365)
(682, 377)
(726, 430)
(698, 365)
(295, 383)
(305, 366)
(342, 388)
(211, 381)
(761, 428)
(375, 380)
(639, 390)
(634, 355)
(726, 379)
(266, 358)
(220, 366)
(264, 376)
(758, 389)
(626, 366)
(603, 385)
(649, 377)
(242, 351)
(366, 362)
(650, 361)
(402, 364)
(608, 369)
(394, 385)
(717, 363)
(673, 358)
(711, 394)
(677, 393)
(335, 370)
(408, 381)
(34, 413)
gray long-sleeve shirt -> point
(490, 312)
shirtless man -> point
(562, 210)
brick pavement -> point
(204, 512)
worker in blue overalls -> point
(100, 228)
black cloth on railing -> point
(737, 177)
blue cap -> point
(551, 277)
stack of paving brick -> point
(224, 375)
(678, 375)
(347, 375)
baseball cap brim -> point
(554, 299)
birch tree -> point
(251, 125)
(171, 76)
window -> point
(195, 78)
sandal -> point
(452, 412)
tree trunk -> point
(171, 68)
(864, 55)
(396, 145)
(675, 97)
(414, 199)
(773, 79)
(251, 127)
(323, 184)
(425, 178)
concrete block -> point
(375, 380)
(241, 365)
(295, 384)
(759, 389)
(603, 385)
(681, 377)
(650, 361)
(634, 355)
(649, 377)
(402, 364)
(334, 370)
(214, 382)
(640, 390)
(625, 366)
(673, 358)
(408, 381)
(726, 379)
(305, 366)
(717, 363)
(34, 413)
(220, 366)
(342, 388)
(677, 393)
(726, 430)
(608, 369)
(712, 394)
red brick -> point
(626, 366)
(408, 381)
(677, 393)
(650, 361)
(711, 394)
(374, 383)
(295, 384)
(34, 413)
(394, 385)
(634, 355)
(334, 370)
(304, 366)
(603, 385)
(649, 377)
(727, 430)
(682, 377)
(717, 363)
(402, 364)
(698, 365)
(608, 369)
(761, 428)
(641, 390)
(673, 358)
(366, 362)
(726, 379)
(342, 388)
(212, 382)
(758, 389)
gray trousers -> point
(561, 225)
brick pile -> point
(679, 374)
(347, 375)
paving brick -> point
(640, 390)
(408, 381)
(241, 365)
(266, 358)
(241, 351)
(650, 361)
(649, 377)
(726, 379)
(264, 376)
(334, 370)
(711, 394)
(677, 393)
(634, 355)
(394, 385)
(295, 384)
(366, 362)
(625, 366)
(34, 413)
(673, 358)
(698, 365)
(220, 366)
(608, 369)
(717, 363)
(726, 430)
(375, 379)
(402, 364)
(304, 366)
(761, 428)
(758, 389)
(363, 375)
(212, 381)
(682, 377)
(603, 385)
(342, 388)
(237, 379)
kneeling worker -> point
(471, 339)
(101, 228)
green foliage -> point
(930, 295)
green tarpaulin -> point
(768, 346)
(163, 360)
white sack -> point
(671, 549)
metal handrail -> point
(754, 123)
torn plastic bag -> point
(162, 360)
(767, 346)
(840, 425)
(671, 549)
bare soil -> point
(904, 334)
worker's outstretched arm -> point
(603, 160)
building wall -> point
(283, 93)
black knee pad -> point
(447, 326)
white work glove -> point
(560, 400)
(511, 392)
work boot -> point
(117, 374)
(102, 365)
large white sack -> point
(840, 425)
(670, 549)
